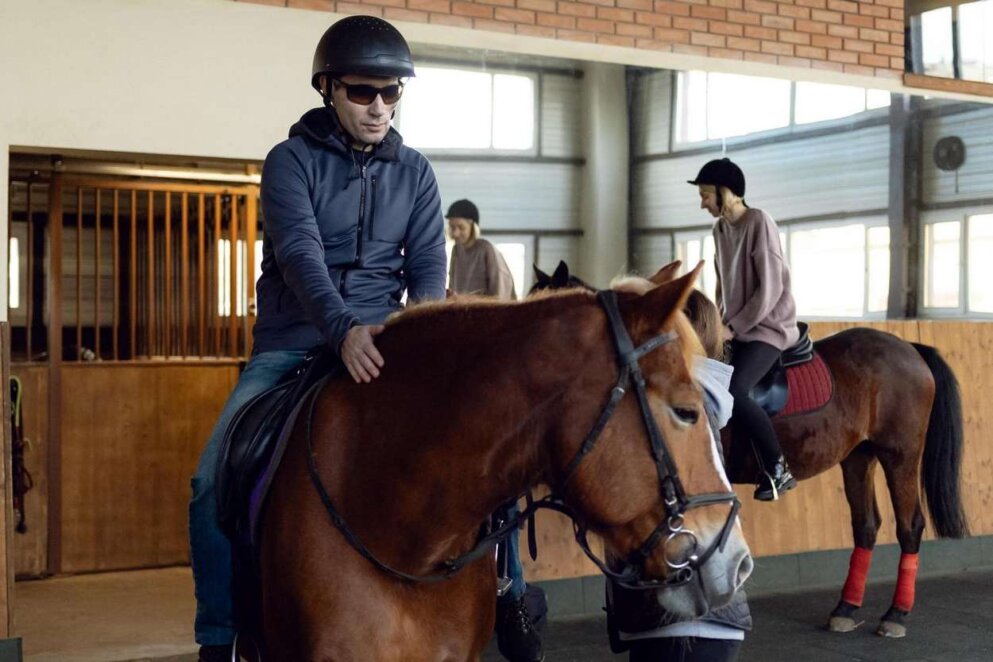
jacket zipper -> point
(358, 233)
(372, 207)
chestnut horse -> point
(895, 404)
(388, 482)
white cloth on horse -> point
(714, 378)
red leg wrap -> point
(903, 597)
(858, 570)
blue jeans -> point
(514, 569)
(210, 549)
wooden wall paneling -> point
(6, 512)
(558, 554)
(967, 347)
(126, 471)
(31, 547)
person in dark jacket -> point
(352, 221)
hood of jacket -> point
(323, 126)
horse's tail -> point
(943, 449)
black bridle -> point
(671, 528)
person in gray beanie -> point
(477, 266)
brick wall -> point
(863, 37)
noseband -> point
(669, 530)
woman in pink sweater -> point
(753, 293)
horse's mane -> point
(437, 311)
(467, 302)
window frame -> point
(492, 72)
(677, 144)
(962, 216)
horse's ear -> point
(561, 275)
(541, 278)
(670, 297)
(666, 273)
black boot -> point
(517, 639)
(215, 653)
(777, 480)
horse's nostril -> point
(744, 570)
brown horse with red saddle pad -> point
(869, 398)
(370, 542)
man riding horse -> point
(352, 221)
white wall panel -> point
(560, 116)
(649, 252)
(651, 112)
(975, 177)
(837, 173)
(553, 249)
(513, 196)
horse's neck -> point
(429, 480)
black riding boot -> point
(517, 638)
(777, 480)
(215, 653)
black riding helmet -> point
(362, 45)
(722, 172)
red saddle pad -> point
(810, 385)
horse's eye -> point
(684, 416)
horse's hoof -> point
(843, 624)
(891, 630)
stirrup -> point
(503, 585)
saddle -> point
(251, 439)
(772, 391)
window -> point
(515, 255)
(817, 102)
(690, 249)
(829, 270)
(224, 276)
(975, 40)
(937, 53)
(954, 41)
(877, 272)
(957, 265)
(980, 273)
(502, 116)
(942, 265)
(704, 112)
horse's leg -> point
(903, 479)
(857, 469)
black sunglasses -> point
(366, 94)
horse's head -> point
(651, 482)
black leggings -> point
(751, 361)
(684, 649)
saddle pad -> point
(810, 387)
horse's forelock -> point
(691, 344)
(632, 284)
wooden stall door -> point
(123, 377)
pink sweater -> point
(753, 290)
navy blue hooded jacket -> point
(345, 233)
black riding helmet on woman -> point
(757, 308)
